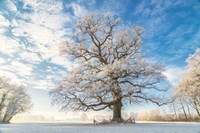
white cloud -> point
(2, 30)
(13, 76)
(155, 13)
(78, 10)
(115, 7)
(174, 73)
(35, 33)
(43, 84)
(35, 38)
(21, 68)
(44, 29)
(16, 70)
(62, 61)
(140, 9)
(29, 57)
(2, 61)
(11, 6)
(8, 45)
(3, 21)
(50, 6)
(154, 8)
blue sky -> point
(31, 32)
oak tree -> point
(110, 68)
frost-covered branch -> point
(110, 67)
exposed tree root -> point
(119, 121)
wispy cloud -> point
(115, 7)
(31, 37)
(173, 74)
(3, 21)
(10, 47)
(169, 36)
(78, 10)
(11, 6)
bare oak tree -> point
(109, 70)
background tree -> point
(110, 68)
(13, 100)
(189, 85)
(4, 91)
(84, 116)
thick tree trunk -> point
(117, 106)
(7, 118)
(4, 119)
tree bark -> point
(196, 108)
(183, 109)
(4, 119)
(175, 111)
(197, 112)
(117, 106)
(189, 111)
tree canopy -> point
(110, 68)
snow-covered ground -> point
(88, 128)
